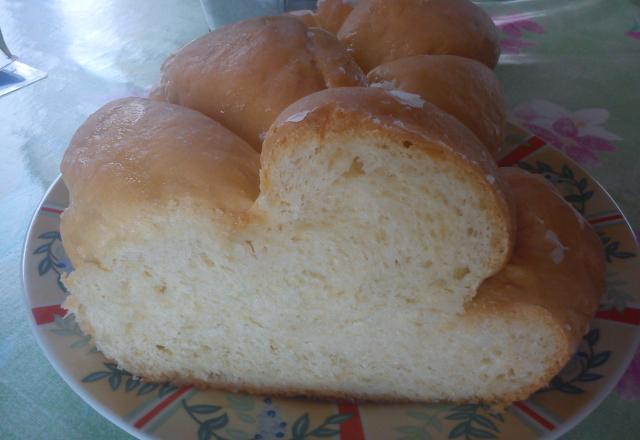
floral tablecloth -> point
(570, 72)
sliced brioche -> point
(378, 217)
(379, 31)
(352, 157)
(462, 87)
(243, 75)
(513, 337)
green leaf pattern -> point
(328, 428)
(565, 177)
(50, 261)
(579, 369)
(115, 377)
(474, 421)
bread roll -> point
(134, 158)
(379, 31)
(378, 217)
(243, 75)
(464, 88)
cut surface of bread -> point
(351, 273)
(244, 74)
(462, 87)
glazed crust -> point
(158, 153)
(557, 262)
(244, 74)
(332, 13)
(379, 31)
(462, 87)
(556, 273)
(306, 16)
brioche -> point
(379, 31)
(464, 88)
(377, 218)
(244, 74)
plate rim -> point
(76, 387)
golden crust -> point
(244, 74)
(379, 31)
(557, 262)
(462, 87)
(556, 273)
(135, 153)
(332, 13)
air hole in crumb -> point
(427, 264)
(207, 260)
(314, 275)
(355, 169)
(250, 244)
(407, 144)
(460, 272)
(147, 274)
(162, 348)
(161, 288)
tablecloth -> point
(570, 71)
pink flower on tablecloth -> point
(578, 134)
(513, 29)
(634, 32)
(629, 386)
